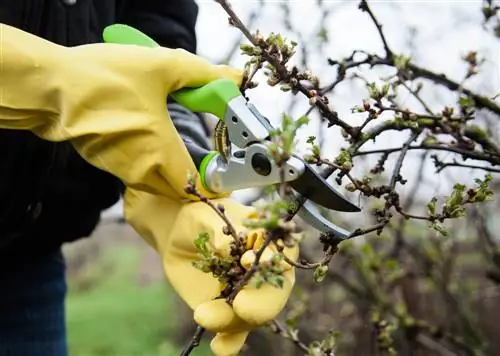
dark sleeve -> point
(171, 23)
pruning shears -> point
(241, 158)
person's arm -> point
(171, 23)
(108, 100)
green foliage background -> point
(111, 315)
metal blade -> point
(313, 218)
(308, 212)
(314, 187)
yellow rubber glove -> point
(171, 227)
(108, 99)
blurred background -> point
(121, 305)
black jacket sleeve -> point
(171, 23)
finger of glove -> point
(255, 238)
(192, 285)
(218, 316)
(228, 344)
(269, 252)
(221, 244)
(197, 217)
(248, 258)
(185, 69)
(257, 306)
(236, 213)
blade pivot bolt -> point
(261, 164)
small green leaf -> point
(316, 150)
(430, 140)
(367, 249)
(401, 61)
(320, 273)
(439, 228)
(385, 89)
(391, 264)
(431, 207)
(483, 191)
(477, 131)
(301, 121)
(250, 50)
(201, 244)
(311, 139)
(323, 34)
(466, 102)
(452, 205)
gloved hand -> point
(171, 227)
(108, 99)
(110, 102)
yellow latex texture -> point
(109, 100)
(171, 227)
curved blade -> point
(314, 187)
(308, 212)
(313, 217)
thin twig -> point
(250, 271)
(400, 160)
(463, 165)
(329, 253)
(191, 189)
(363, 6)
(195, 341)
(431, 147)
(279, 329)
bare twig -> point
(462, 165)
(431, 147)
(281, 330)
(251, 271)
(363, 6)
(195, 341)
(231, 230)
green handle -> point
(211, 98)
